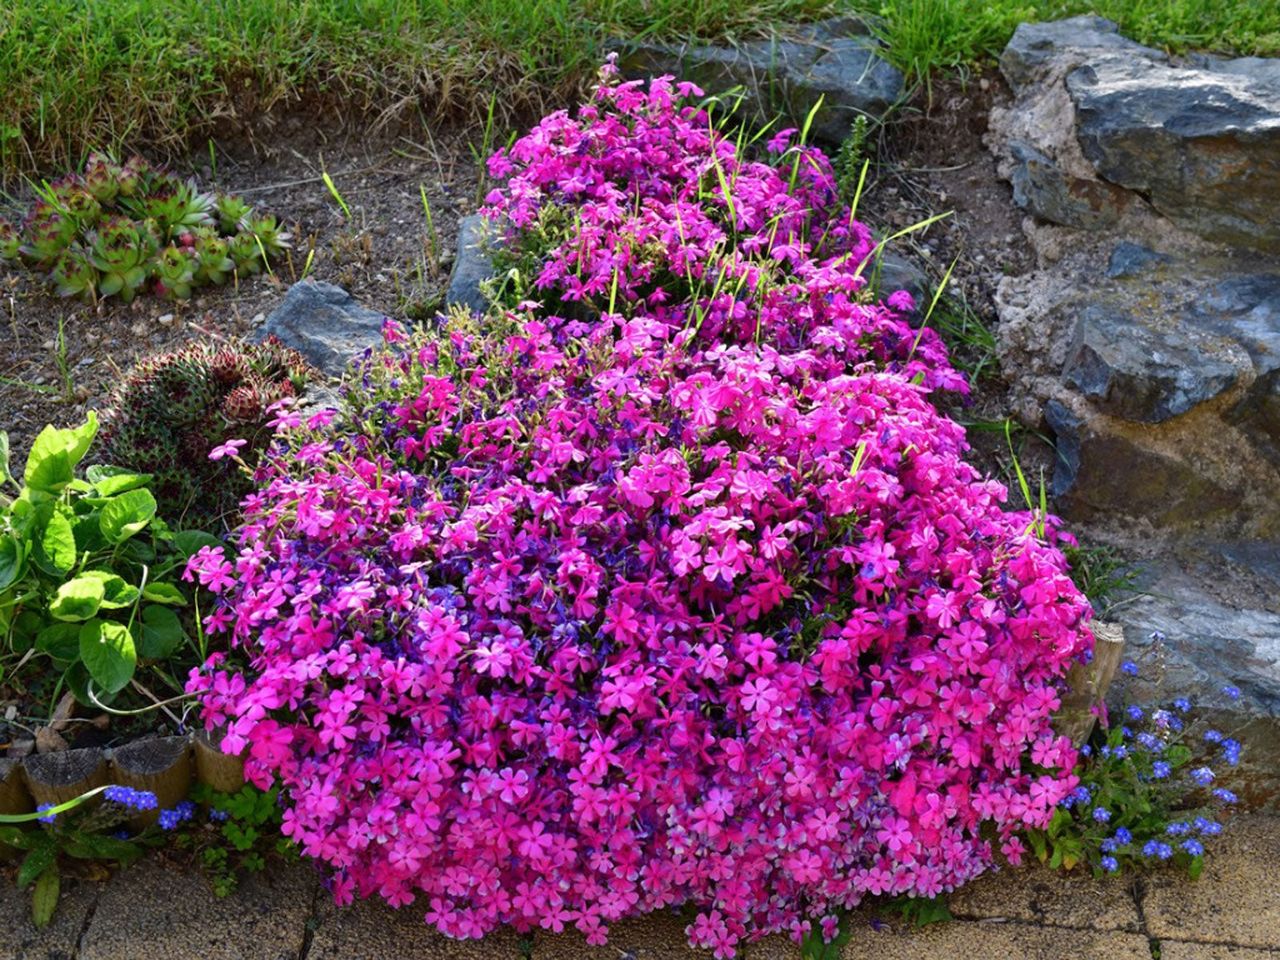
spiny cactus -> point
(170, 411)
(118, 229)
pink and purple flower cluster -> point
(666, 585)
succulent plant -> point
(10, 240)
(124, 252)
(175, 207)
(169, 412)
(175, 273)
(124, 224)
(213, 264)
(102, 177)
(232, 212)
(270, 236)
(74, 275)
(46, 235)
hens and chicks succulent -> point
(120, 229)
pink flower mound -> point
(684, 601)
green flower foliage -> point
(121, 229)
(88, 573)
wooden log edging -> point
(165, 766)
(1088, 684)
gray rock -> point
(1142, 372)
(1040, 187)
(1215, 614)
(897, 272)
(1129, 259)
(851, 79)
(1202, 145)
(325, 324)
(836, 60)
(1036, 47)
(472, 266)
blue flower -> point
(182, 811)
(1123, 835)
(1232, 692)
(1126, 733)
(1106, 846)
(131, 798)
(1193, 847)
(1212, 736)
(1101, 814)
(1231, 751)
(1177, 829)
(1120, 752)
(1135, 712)
(1150, 741)
(1226, 796)
(1182, 704)
(1086, 751)
(49, 817)
(1109, 864)
(1161, 769)
(1082, 794)
(1202, 776)
(1208, 828)
(218, 815)
(1130, 668)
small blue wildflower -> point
(1130, 668)
(1182, 704)
(1212, 736)
(182, 811)
(1150, 847)
(1208, 828)
(1150, 741)
(1109, 864)
(1106, 750)
(1106, 846)
(1226, 796)
(129, 797)
(1126, 733)
(1120, 752)
(49, 817)
(1086, 751)
(1202, 776)
(1161, 769)
(218, 816)
(1082, 794)
(1177, 828)
(1164, 851)
(1101, 814)
(1135, 712)
(1232, 692)
(1123, 836)
(1231, 751)
(1193, 847)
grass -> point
(85, 73)
(924, 36)
(79, 74)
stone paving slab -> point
(154, 911)
(1176, 950)
(370, 930)
(1235, 901)
(659, 936)
(1035, 894)
(20, 940)
(989, 940)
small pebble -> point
(165, 319)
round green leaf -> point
(161, 633)
(77, 599)
(189, 542)
(109, 481)
(56, 547)
(60, 641)
(107, 651)
(12, 556)
(164, 593)
(116, 593)
(125, 515)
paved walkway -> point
(156, 912)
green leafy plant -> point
(243, 830)
(170, 412)
(88, 571)
(1148, 792)
(117, 229)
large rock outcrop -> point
(836, 61)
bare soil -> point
(383, 253)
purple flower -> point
(1130, 668)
